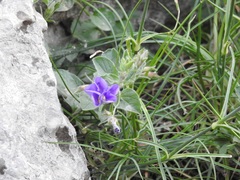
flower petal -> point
(114, 89)
(109, 98)
(100, 92)
(101, 84)
(96, 100)
(91, 89)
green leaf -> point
(86, 102)
(113, 56)
(62, 5)
(119, 29)
(71, 57)
(65, 5)
(129, 101)
(103, 19)
(84, 31)
(107, 66)
(104, 66)
(45, 1)
(238, 92)
(71, 81)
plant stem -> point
(199, 36)
(141, 26)
(154, 137)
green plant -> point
(53, 6)
(181, 123)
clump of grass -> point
(186, 120)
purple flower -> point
(101, 93)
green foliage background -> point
(179, 105)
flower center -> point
(101, 99)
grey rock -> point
(30, 114)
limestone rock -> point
(30, 114)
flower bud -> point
(148, 68)
(152, 75)
(113, 121)
(116, 129)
